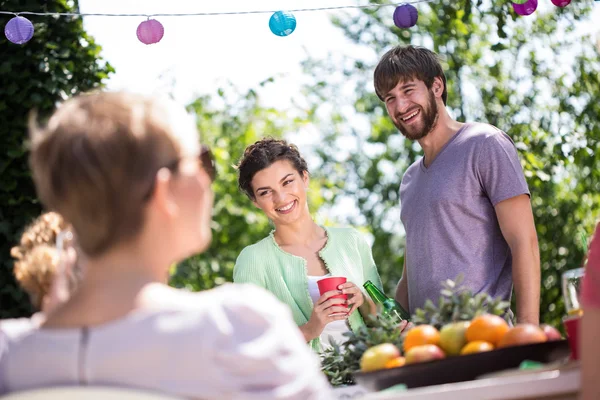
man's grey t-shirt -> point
(448, 213)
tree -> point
(522, 74)
(60, 61)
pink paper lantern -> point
(150, 31)
(525, 9)
(561, 3)
(405, 16)
(18, 30)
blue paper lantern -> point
(405, 16)
(18, 30)
(282, 23)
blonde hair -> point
(96, 161)
(36, 256)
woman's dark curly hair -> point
(261, 155)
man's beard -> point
(429, 118)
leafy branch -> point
(456, 303)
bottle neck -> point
(376, 295)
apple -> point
(551, 332)
(422, 353)
(377, 356)
(523, 334)
(453, 338)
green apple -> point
(375, 357)
(453, 338)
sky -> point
(199, 53)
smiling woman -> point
(298, 252)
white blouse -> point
(233, 342)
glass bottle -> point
(389, 307)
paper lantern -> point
(18, 30)
(150, 31)
(282, 23)
(405, 16)
(527, 8)
(561, 3)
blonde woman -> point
(129, 174)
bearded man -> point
(465, 204)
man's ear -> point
(437, 86)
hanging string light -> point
(405, 16)
(526, 8)
(150, 31)
(282, 23)
(18, 30)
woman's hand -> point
(355, 295)
(326, 310)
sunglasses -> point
(207, 163)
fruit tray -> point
(463, 368)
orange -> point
(477, 346)
(523, 334)
(420, 335)
(487, 327)
(395, 362)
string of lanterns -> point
(20, 30)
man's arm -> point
(516, 223)
(402, 289)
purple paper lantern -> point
(150, 31)
(18, 30)
(561, 3)
(405, 16)
(525, 9)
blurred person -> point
(590, 323)
(37, 262)
(41, 271)
(130, 175)
(299, 252)
(465, 204)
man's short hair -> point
(403, 63)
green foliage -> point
(534, 78)
(340, 361)
(60, 61)
(457, 303)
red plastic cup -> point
(572, 327)
(332, 283)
